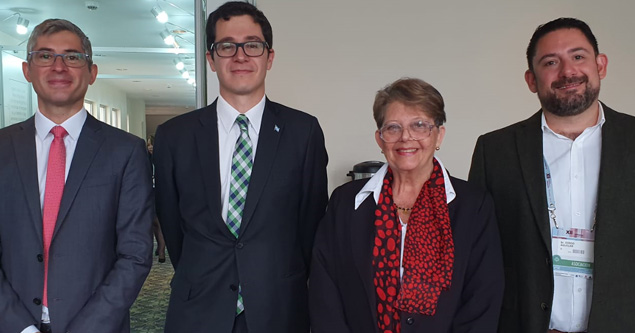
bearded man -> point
(564, 188)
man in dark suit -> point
(75, 243)
(563, 186)
(241, 186)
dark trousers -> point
(240, 324)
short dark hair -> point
(411, 92)
(558, 24)
(237, 8)
(51, 26)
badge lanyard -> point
(572, 248)
(551, 199)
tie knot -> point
(243, 122)
(58, 132)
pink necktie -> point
(55, 171)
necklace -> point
(405, 210)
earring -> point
(438, 148)
(382, 151)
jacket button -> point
(240, 245)
(410, 321)
(233, 287)
(37, 301)
(544, 306)
(40, 258)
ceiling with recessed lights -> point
(127, 42)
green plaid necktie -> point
(238, 185)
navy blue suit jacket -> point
(286, 199)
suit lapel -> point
(271, 129)
(24, 150)
(614, 154)
(529, 147)
(207, 149)
(90, 140)
(362, 235)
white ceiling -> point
(126, 43)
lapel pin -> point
(276, 128)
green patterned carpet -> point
(147, 315)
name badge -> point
(572, 252)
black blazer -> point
(342, 294)
(101, 250)
(509, 164)
(286, 199)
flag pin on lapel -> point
(276, 128)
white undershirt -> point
(43, 140)
(575, 169)
(228, 133)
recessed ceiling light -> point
(92, 5)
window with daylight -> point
(89, 105)
(115, 117)
(102, 113)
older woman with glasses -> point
(412, 249)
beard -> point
(572, 103)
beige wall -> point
(333, 55)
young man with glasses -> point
(241, 186)
(76, 199)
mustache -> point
(569, 80)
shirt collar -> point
(72, 125)
(599, 123)
(227, 114)
(374, 184)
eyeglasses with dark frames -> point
(47, 58)
(229, 49)
(418, 130)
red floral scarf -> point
(428, 256)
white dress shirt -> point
(374, 185)
(228, 133)
(575, 169)
(43, 140)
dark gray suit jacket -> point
(101, 248)
(509, 164)
(286, 199)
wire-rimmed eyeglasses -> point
(229, 49)
(47, 58)
(418, 130)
